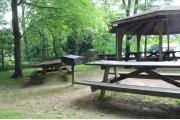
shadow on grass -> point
(128, 107)
(6, 81)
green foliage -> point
(6, 46)
(3, 9)
(53, 28)
(70, 28)
(6, 41)
(154, 48)
(6, 81)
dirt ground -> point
(61, 100)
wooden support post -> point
(128, 47)
(105, 79)
(160, 38)
(119, 40)
(115, 72)
(117, 47)
(167, 28)
(168, 43)
(121, 43)
(145, 46)
(138, 46)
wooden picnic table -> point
(49, 66)
(141, 67)
(135, 64)
(37, 77)
(152, 56)
(107, 57)
(166, 54)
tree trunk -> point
(145, 44)
(76, 50)
(2, 58)
(127, 7)
(128, 38)
(2, 51)
(135, 6)
(43, 43)
(17, 40)
(54, 44)
(54, 47)
(128, 11)
(24, 30)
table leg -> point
(174, 56)
(72, 67)
(105, 79)
(122, 77)
(115, 72)
(44, 70)
(164, 78)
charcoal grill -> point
(72, 60)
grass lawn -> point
(58, 99)
(6, 80)
(13, 95)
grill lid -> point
(72, 59)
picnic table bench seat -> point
(144, 90)
(175, 76)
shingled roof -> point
(147, 23)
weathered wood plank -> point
(167, 64)
(144, 90)
(174, 76)
(122, 77)
(166, 79)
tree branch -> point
(43, 7)
(21, 1)
(135, 6)
(128, 8)
(40, 20)
(124, 3)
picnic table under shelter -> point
(160, 21)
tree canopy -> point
(47, 29)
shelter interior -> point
(161, 21)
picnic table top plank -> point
(51, 62)
(165, 64)
(48, 63)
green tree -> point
(6, 45)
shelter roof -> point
(146, 23)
